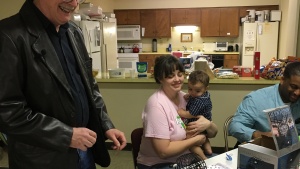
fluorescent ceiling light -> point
(185, 29)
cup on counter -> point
(95, 72)
(132, 73)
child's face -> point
(197, 89)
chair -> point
(136, 138)
(225, 130)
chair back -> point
(225, 130)
(136, 138)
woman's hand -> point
(201, 138)
(201, 125)
(198, 126)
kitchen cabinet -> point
(222, 22)
(127, 17)
(156, 23)
(150, 58)
(185, 17)
(230, 61)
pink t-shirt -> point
(160, 120)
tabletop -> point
(220, 160)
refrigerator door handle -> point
(104, 61)
(89, 40)
(97, 36)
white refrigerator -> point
(262, 37)
(101, 43)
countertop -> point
(241, 80)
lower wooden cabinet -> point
(230, 61)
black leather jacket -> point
(36, 105)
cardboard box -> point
(261, 154)
(242, 71)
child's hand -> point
(186, 97)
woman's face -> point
(173, 83)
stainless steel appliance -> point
(221, 46)
(101, 43)
(217, 60)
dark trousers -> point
(86, 160)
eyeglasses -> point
(78, 1)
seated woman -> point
(164, 138)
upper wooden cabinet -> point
(127, 17)
(220, 22)
(185, 17)
(156, 23)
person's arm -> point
(166, 148)
(185, 114)
(18, 120)
(201, 125)
(108, 127)
(248, 121)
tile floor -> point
(119, 160)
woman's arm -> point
(201, 125)
(166, 148)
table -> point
(221, 159)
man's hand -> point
(83, 138)
(117, 137)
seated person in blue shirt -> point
(250, 122)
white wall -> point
(10, 7)
(288, 28)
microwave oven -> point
(128, 32)
(221, 46)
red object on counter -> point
(135, 48)
(242, 71)
(256, 65)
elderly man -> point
(50, 106)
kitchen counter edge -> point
(241, 81)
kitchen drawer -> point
(231, 57)
(146, 56)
